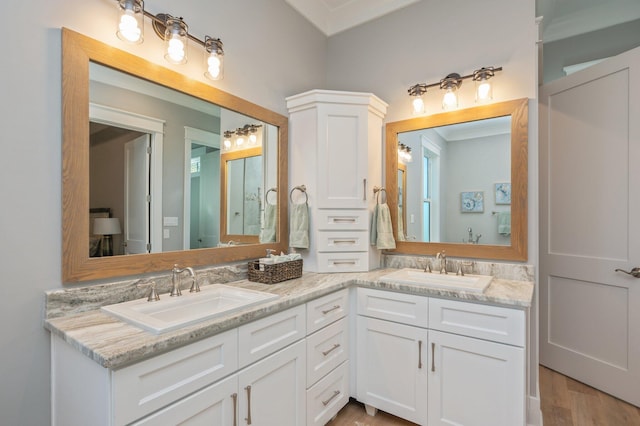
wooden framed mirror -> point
(464, 190)
(80, 55)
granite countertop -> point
(114, 344)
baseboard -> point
(534, 415)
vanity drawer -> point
(327, 309)
(493, 323)
(267, 335)
(152, 384)
(398, 307)
(326, 349)
(328, 396)
(333, 241)
(342, 220)
(343, 262)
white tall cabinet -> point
(335, 150)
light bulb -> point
(483, 91)
(227, 143)
(240, 141)
(253, 139)
(418, 105)
(450, 100)
(213, 58)
(128, 28)
(175, 50)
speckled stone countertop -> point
(114, 344)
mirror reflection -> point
(454, 183)
(457, 181)
(176, 172)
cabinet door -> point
(475, 382)
(213, 405)
(392, 368)
(272, 391)
(342, 145)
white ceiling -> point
(562, 18)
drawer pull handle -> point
(328, 351)
(364, 184)
(234, 397)
(352, 242)
(433, 356)
(248, 418)
(419, 354)
(344, 262)
(344, 220)
(325, 312)
(335, 393)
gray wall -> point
(30, 167)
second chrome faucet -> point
(175, 280)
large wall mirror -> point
(457, 181)
(159, 169)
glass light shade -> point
(175, 37)
(253, 138)
(130, 21)
(417, 105)
(484, 90)
(227, 143)
(240, 141)
(213, 59)
(450, 98)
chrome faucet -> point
(443, 261)
(175, 280)
(427, 264)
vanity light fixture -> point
(451, 85)
(174, 31)
(242, 134)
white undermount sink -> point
(469, 283)
(170, 313)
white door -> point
(137, 193)
(272, 391)
(590, 225)
(391, 368)
(475, 382)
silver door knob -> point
(635, 272)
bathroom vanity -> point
(297, 359)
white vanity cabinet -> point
(336, 151)
(327, 357)
(440, 362)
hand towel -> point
(299, 226)
(373, 233)
(268, 232)
(384, 239)
(504, 223)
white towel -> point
(384, 229)
(373, 233)
(268, 232)
(299, 226)
(504, 223)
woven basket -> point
(278, 272)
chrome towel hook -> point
(301, 188)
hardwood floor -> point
(564, 401)
(567, 402)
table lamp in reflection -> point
(107, 227)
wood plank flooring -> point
(564, 402)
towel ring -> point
(266, 199)
(377, 190)
(301, 188)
